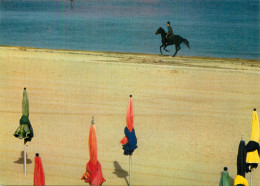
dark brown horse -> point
(177, 40)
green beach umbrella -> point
(25, 130)
(224, 181)
(25, 104)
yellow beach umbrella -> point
(253, 157)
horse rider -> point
(169, 35)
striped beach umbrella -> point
(93, 174)
(39, 178)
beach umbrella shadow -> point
(119, 172)
(21, 159)
(231, 181)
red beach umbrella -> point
(129, 142)
(129, 119)
(92, 144)
(39, 178)
(93, 174)
(130, 115)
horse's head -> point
(159, 31)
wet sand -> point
(190, 113)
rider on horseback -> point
(170, 34)
(176, 40)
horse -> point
(177, 40)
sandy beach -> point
(190, 113)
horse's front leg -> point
(161, 48)
(164, 48)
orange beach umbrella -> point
(93, 174)
(129, 119)
(92, 144)
(130, 115)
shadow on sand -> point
(21, 161)
(119, 172)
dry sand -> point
(190, 114)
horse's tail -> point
(186, 42)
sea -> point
(214, 28)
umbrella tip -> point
(37, 154)
(254, 109)
(242, 137)
(24, 88)
(92, 121)
(131, 96)
(225, 168)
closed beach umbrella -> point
(129, 119)
(25, 130)
(130, 115)
(253, 149)
(25, 104)
(253, 157)
(240, 179)
(224, 181)
(92, 143)
(38, 178)
(93, 174)
(129, 142)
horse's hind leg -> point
(175, 51)
(177, 48)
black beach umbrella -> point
(241, 165)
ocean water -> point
(214, 28)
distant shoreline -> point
(153, 60)
(128, 53)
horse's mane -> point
(162, 29)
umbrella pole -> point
(130, 169)
(24, 156)
(251, 178)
